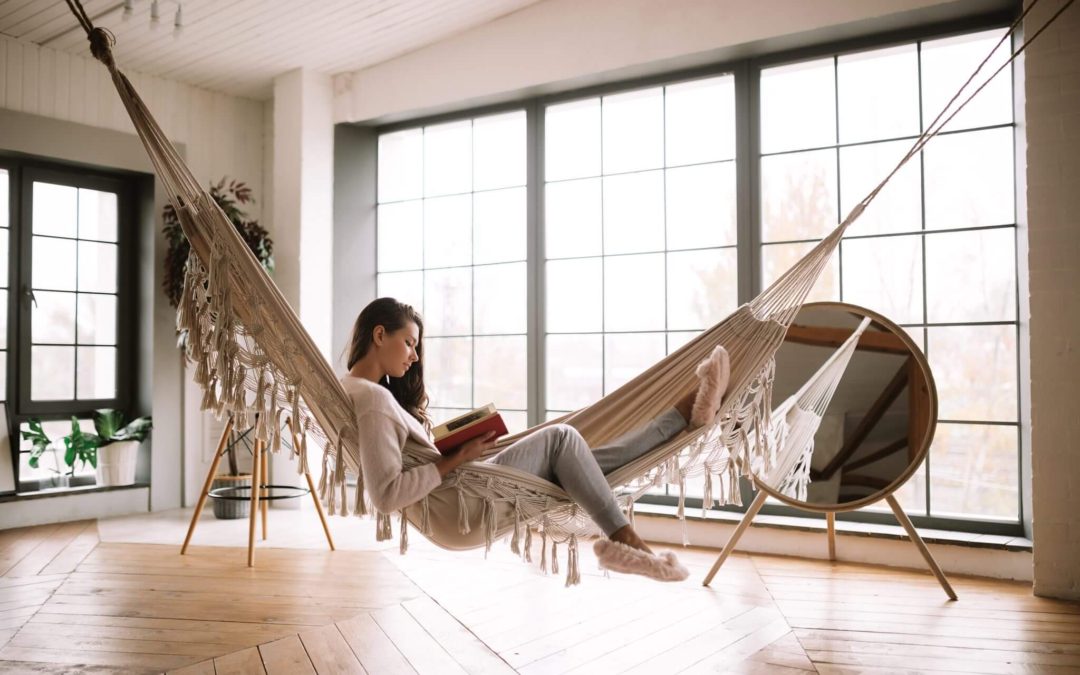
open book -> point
(463, 428)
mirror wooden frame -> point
(920, 363)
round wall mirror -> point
(868, 403)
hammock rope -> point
(255, 361)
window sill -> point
(930, 536)
(67, 492)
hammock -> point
(255, 361)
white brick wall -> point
(1052, 108)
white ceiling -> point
(239, 46)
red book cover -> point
(452, 441)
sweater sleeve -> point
(382, 439)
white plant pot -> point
(116, 463)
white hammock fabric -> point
(255, 361)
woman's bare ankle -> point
(627, 535)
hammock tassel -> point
(404, 537)
(515, 540)
(360, 505)
(543, 549)
(342, 478)
(573, 572)
(681, 514)
(463, 510)
(554, 556)
(706, 497)
(383, 531)
(528, 543)
(489, 521)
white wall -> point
(221, 135)
(1052, 80)
(574, 42)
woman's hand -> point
(468, 451)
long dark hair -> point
(392, 315)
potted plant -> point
(229, 509)
(116, 445)
(41, 444)
(230, 196)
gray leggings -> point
(559, 454)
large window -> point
(64, 232)
(936, 252)
(451, 242)
(639, 231)
(642, 240)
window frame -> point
(746, 72)
(23, 170)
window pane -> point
(676, 340)
(702, 288)
(407, 287)
(700, 204)
(97, 215)
(572, 218)
(971, 276)
(898, 207)
(401, 240)
(947, 64)
(499, 294)
(401, 165)
(448, 158)
(634, 213)
(628, 355)
(885, 274)
(499, 226)
(96, 373)
(3, 375)
(52, 318)
(4, 234)
(499, 151)
(969, 179)
(448, 371)
(634, 292)
(97, 267)
(798, 106)
(798, 196)
(3, 323)
(574, 297)
(633, 131)
(448, 231)
(973, 471)
(878, 92)
(97, 319)
(501, 372)
(572, 140)
(440, 415)
(54, 264)
(56, 210)
(574, 370)
(53, 371)
(975, 371)
(699, 120)
(516, 420)
(778, 258)
(448, 301)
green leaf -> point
(107, 421)
(69, 454)
(136, 431)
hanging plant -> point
(230, 196)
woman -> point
(386, 384)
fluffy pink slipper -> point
(714, 373)
(619, 557)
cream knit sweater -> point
(384, 428)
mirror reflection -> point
(852, 407)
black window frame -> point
(23, 170)
(747, 73)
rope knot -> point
(101, 44)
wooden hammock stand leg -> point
(830, 520)
(259, 492)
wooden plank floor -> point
(69, 603)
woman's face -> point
(398, 349)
